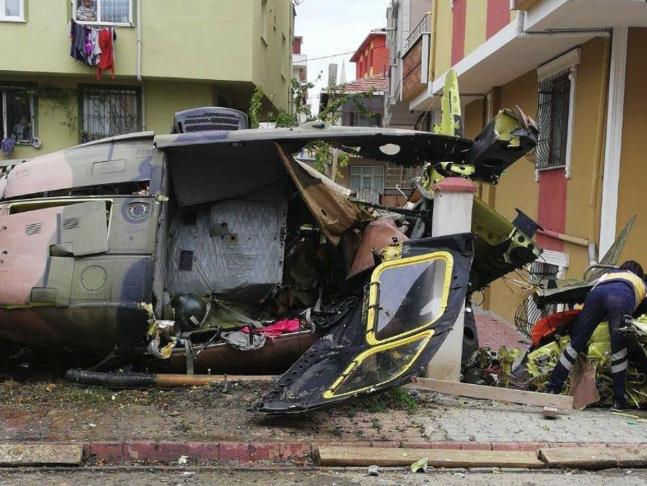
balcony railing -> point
(423, 27)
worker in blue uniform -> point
(615, 295)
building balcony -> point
(415, 59)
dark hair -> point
(633, 266)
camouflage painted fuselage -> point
(86, 243)
(75, 264)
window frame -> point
(423, 338)
(7, 18)
(131, 15)
(566, 63)
(373, 308)
(83, 89)
(4, 87)
(373, 176)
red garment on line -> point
(107, 59)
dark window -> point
(17, 108)
(186, 261)
(409, 297)
(106, 112)
(554, 99)
(189, 217)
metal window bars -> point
(552, 114)
(109, 111)
(423, 27)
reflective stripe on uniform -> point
(619, 355)
(619, 367)
(570, 351)
(563, 359)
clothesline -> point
(94, 47)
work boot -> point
(619, 405)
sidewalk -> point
(494, 332)
(212, 424)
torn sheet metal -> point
(499, 246)
(334, 212)
(370, 350)
(377, 235)
(504, 140)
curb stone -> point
(300, 453)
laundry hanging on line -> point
(94, 47)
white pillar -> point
(453, 200)
(613, 149)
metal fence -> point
(423, 27)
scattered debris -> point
(419, 466)
(550, 412)
(373, 470)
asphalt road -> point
(321, 477)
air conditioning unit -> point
(208, 119)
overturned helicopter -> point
(215, 249)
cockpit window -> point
(407, 295)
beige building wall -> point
(247, 41)
(271, 42)
(589, 125)
(441, 53)
(518, 187)
(633, 165)
(193, 54)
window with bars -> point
(553, 113)
(111, 12)
(106, 112)
(17, 120)
(12, 10)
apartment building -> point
(579, 67)
(168, 56)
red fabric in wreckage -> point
(276, 329)
(546, 326)
(107, 59)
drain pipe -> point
(139, 40)
(140, 79)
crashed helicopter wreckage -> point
(218, 250)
